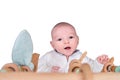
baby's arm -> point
(97, 65)
(46, 65)
(103, 59)
(43, 65)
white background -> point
(97, 23)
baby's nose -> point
(66, 41)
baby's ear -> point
(78, 39)
(51, 44)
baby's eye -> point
(59, 39)
(71, 37)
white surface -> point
(97, 23)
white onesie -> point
(53, 58)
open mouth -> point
(67, 48)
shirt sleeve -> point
(94, 64)
(42, 64)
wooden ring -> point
(74, 64)
(11, 67)
(26, 69)
(108, 67)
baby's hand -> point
(55, 69)
(103, 59)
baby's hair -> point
(63, 24)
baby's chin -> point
(67, 54)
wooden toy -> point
(23, 58)
(12, 67)
(85, 74)
(110, 67)
(75, 64)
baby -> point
(64, 42)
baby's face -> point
(64, 40)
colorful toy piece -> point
(22, 55)
(110, 67)
(23, 49)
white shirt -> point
(53, 58)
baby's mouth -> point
(67, 48)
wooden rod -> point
(106, 76)
(57, 76)
(39, 76)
